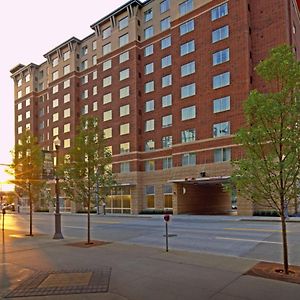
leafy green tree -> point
(27, 169)
(268, 173)
(87, 166)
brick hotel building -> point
(167, 80)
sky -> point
(28, 30)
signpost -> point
(167, 219)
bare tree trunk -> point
(284, 240)
(89, 219)
(30, 209)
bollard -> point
(3, 214)
(167, 219)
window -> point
(27, 102)
(166, 61)
(27, 90)
(20, 118)
(123, 23)
(94, 45)
(83, 65)
(221, 57)
(27, 114)
(166, 80)
(94, 60)
(149, 86)
(55, 131)
(55, 75)
(106, 32)
(149, 106)
(167, 163)
(95, 75)
(221, 129)
(67, 113)
(20, 129)
(221, 104)
(149, 145)
(107, 115)
(84, 50)
(84, 79)
(165, 24)
(107, 81)
(188, 69)
(106, 65)
(221, 80)
(166, 141)
(84, 94)
(66, 98)
(164, 6)
(19, 105)
(66, 69)
(19, 94)
(188, 159)
(166, 100)
(166, 42)
(67, 143)
(55, 103)
(187, 27)
(124, 147)
(124, 110)
(168, 195)
(148, 32)
(148, 50)
(187, 48)
(66, 83)
(55, 117)
(148, 15)
(107, 132)
(124, 129)
(167, 121)
(149, 125)
(149, 165)
(188, 113)
(222, 154)
(149, 68)
(124, 92)
(185, 7)
(95, 90)
(124, 74)
(85, 109)
(123, 40)
(188, 90)
(220, 34)
(125, 167)
(219, 11)
(188, 135)
(27, 78)
(150, 192)
(124, 57)
(19, 83)
(106, 49)
(107, 98)
(95, 106)
(55, 62)
(67, 127)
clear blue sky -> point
(30, 29)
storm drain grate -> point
(63, 283)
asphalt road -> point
(213, 234)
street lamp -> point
(57, 235)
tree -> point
(27, 169)
(268, 173)
(87, 166)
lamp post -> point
(57, 235)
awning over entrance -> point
(202, 180)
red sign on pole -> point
(167, 218)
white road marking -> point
(246, 240)
(75, 227)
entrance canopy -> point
(202, 180)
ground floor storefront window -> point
(119, 201)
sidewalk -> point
(137, 273)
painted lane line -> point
(253, 229)
(75, 227)
(246, 240)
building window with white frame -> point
(188, 135)
(55, 117)
(221, 56)
(124, 110)
(106, 32)
(188, 113)
(107, 81)
(221, 129)
(222, 155)
(123, 40)
(166, 141)
(167, 163)
(149, 105)
(106, 49)
(220, 34)
(123, 23)
(148, 50)
(164, 6)
(107, 133)
(188, 159)
(149, 125)
(124, 129)
(187, 48)
(67, 143)
(123, 57)
(221, 104)
(95, 106)
(124, 74)
(149, 145)
(188, 90)
(27, 114)
(106, 65)
(166, 100)
(166, 61)
(124, 92)
(67, 83)
(94, 60)
(149, 165)
(185, 7)
(67, 127)
(55, 103)
(124, 148)
(166, 80)
(165, 24)
(165, 42)
(67, 69)
(149, 86)
(84, 65)
(219, 11)
(149, 68)
(221, 80)
(148, 15)
(125, 167)
(149, 194)
(55, 75)
(187, 27)
(167, 121)
(188, 69)
(67, 113)
(148, 32)
(107, 115)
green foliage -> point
(27, 165)
(269, 170)
(88, 164)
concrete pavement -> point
(138, 272)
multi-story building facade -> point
(167, 80)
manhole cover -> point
(63, 283)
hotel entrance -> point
(119, 200)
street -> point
(230, 236)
